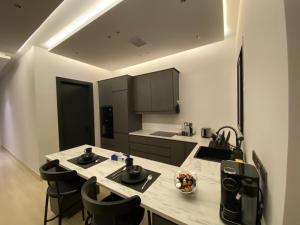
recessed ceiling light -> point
(225, 18)
(17, 5)
(4, 56)
(137, 41)
(84, 19)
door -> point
(75, 107)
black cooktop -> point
(163, 134)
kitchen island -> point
(161, 198)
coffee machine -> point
(240, 195)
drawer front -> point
(166, 152)
(150, 156)
(150, 141)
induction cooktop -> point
(163, 134)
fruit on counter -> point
(185, 181)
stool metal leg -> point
(60, 211)
(46, 209)
(82, 213)
(149, 217)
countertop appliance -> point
(107, 122)
(187, 129)
(240, 195)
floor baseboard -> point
(34, 173)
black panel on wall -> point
(240, 91)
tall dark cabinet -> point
(117, 92)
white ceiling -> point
(19, 19)
(167, 27)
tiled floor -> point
(22, 195)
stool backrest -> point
(106, 213)
(51, 172)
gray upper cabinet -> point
(105, 90)
(120, 83)
(156, 92)
(142, 93)
(162, 91)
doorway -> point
(75, 108)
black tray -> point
(136, 186)
(96, 159)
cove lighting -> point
(4, 56)
(102, 7)
(225, 17)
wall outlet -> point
(260, 167)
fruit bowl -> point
(185, 181)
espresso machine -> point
(240, 195)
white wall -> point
(28, 112)
(207, 86)
(292, 215)
(262, 26)
(47, 67)
(17, 110)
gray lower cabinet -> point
(121, 142)
(161, 150)
(189, 146)
(157, 220)
(178, 153)
(107, 141)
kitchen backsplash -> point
(162, 126)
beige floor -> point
(22, 195)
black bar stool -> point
(60, 185)
(112, 210)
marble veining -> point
(162, 198)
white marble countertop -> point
(162, 198)
(148, 133)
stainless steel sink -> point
(213, 154)
(163, 134)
